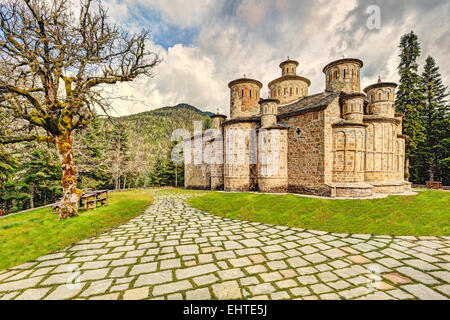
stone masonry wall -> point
(349, 152)
(332, 114)
(197, 174)
(289, 90)
(272, 160)
(306, 153)
(383, 160)
(343, 77)
(240, 169)
(244, 100)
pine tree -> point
(41, 175)
(91, 153)
(410, 100)
(7, 167)
(118, 143)
(443, 149)
(435, 115)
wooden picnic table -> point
(90, 199)
(434, 185)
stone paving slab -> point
(174, 251)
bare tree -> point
(54, 67)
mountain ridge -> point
(169, 109)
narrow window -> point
(345, 73)
(242, 93)
(379, 96)
(291, 91)
(251, 93)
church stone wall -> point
(240, 169)
(244, 97)
(197, 174)
(306, 153)
(382, 161)
(272, 160)
(288, 91)
(343, 75)
(348, 153)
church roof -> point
(341, 61)
(245, 80)
(304, 105)
(307, 104)
(289, 61)
(289, 77)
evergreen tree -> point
(42, 177)
(7, 167)
(162, 175)
(91, 153)
(118, 143)
(16, 196)
(435, 115)
(443, 149)
(410, 100)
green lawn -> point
(425, 214)
(27, 236)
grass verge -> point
(27, 236)
(425, 214)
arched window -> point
(242, 93)
(335, 74)
(285, 91)
(291, 91)
(251, 93)
(296, 91)
(345, 73)
(379, 95)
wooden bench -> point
(88, 200)
(434, 185)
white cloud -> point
(252, 37)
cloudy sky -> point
(205, 44)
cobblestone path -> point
(174, 251)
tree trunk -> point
(407, 169)
(430, 171)
(32, 197)
(71, 195)
(176, 176)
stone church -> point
(337, 143)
